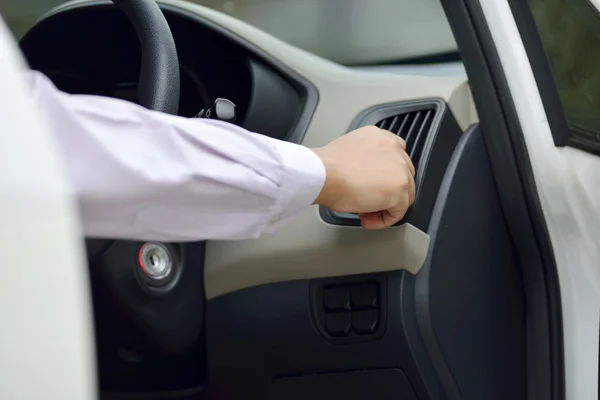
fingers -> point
(386, 218)
(401, 189)
(402, 143)
(374, 221)
(409, 163)
(397, 138)
(383, 219)
(413, 192)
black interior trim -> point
(160, 327)
(308, 91)
(274, 103)
(252, 339)
(469, 300)
(521, 204)
(422, 308)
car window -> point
(570, 33)
(351, 32)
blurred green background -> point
(570, 31)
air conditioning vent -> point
(413, 127)
(431, 134)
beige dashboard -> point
(308, 247)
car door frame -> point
(524, 127)
(562, 166)
(47, 336)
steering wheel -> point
(158, 86)
(157, 286)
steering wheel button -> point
(155, 261)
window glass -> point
(351, 32)
(570, 33)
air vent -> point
(431, 134)
(413, 127)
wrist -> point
(331, 188)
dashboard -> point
(163, 340)
(104, 58)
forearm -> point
(145, 175)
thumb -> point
(376, 220)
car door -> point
(554, 83)
(537, 61)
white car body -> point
(45, 294)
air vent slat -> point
(413, 127)
(395, 124)
(412, 131)
(385, 123)
(417, 147)
(403, 125)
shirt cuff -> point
(303, 180)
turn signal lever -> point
(221, 109)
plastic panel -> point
(258, 334)
(274, 105)
(469, 294)
(456, 330)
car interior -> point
(437, 307)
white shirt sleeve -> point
(144, 175)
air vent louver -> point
(413, 127)
(431, 134)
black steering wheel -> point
(167, 306)
(158, 86)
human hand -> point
(368, 173)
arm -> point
(140, 174)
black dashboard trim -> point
(308, 92)
(274, 102)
